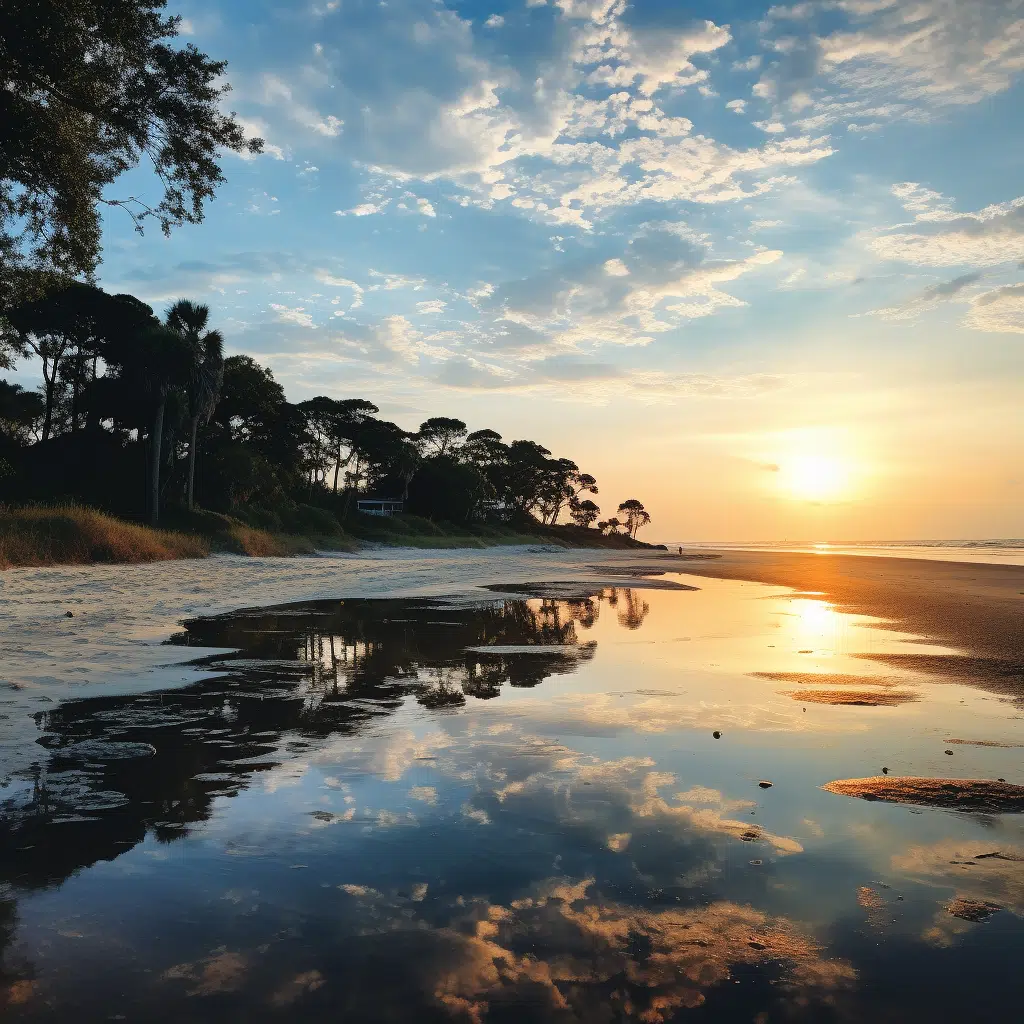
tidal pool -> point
(604, 805)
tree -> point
(90, 87)
(206, 373)
(440, 435)
(21, 412)
(636, 516)
(67, 323)
(348, 427)
(613, 526)
(583, 513)
(165, 359)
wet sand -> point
(977, 609)
(952, 794)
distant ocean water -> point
(1005, 551)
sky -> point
(758, 266)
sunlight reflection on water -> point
(550, 810)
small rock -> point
(885, 771)
(764, 784)
(950, 752)
(717, 735)
(69, 615)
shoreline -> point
(973, 607)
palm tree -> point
(164, 359)
(206, 373)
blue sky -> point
(708, 250)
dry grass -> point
(247, 540)
(72, 535)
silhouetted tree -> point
(21, 412)
(206, 373)
(165, 357)
(636, 516)
(66, 323)
(584, 512)
(440, 435)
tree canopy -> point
(91, 88)
(137, 413)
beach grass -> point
(75, 535)
(40, 535)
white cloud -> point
(329, 126)
(564, 136)
(616, 268)
(296, 315)
(941, 238)
(363, 209)
(390, 282)
(495, 21)
(891, 57)
(737, 105)
(425, 207)
(325, 277)
(431, 306)
(1000, 310)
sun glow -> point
(815, 477)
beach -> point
(976, 608)
(458, 785)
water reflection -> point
(373, 810)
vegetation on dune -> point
(145, 418)
(72, 535)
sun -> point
(815, 477)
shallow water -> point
(517, 810)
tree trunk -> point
(156, 439)
(190, 497)
(48, 385)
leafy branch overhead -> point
(91, 88)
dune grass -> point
(74, 535)
(38, 535)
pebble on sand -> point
(765, 784)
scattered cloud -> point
(941, 238)
(1000, 310)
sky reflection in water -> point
(391, 810)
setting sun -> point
(815, 477)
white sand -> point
(122, 613)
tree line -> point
(137, 412)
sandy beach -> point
(977, 609)
(761, 762)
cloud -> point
(564, 130)
(1000, 310)
(869, 60)
(940, 238)
(928, 299)
(325, 277)
(425, 207)
(495, 21)
(297, 316)
(363, 209)
(431, 306)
